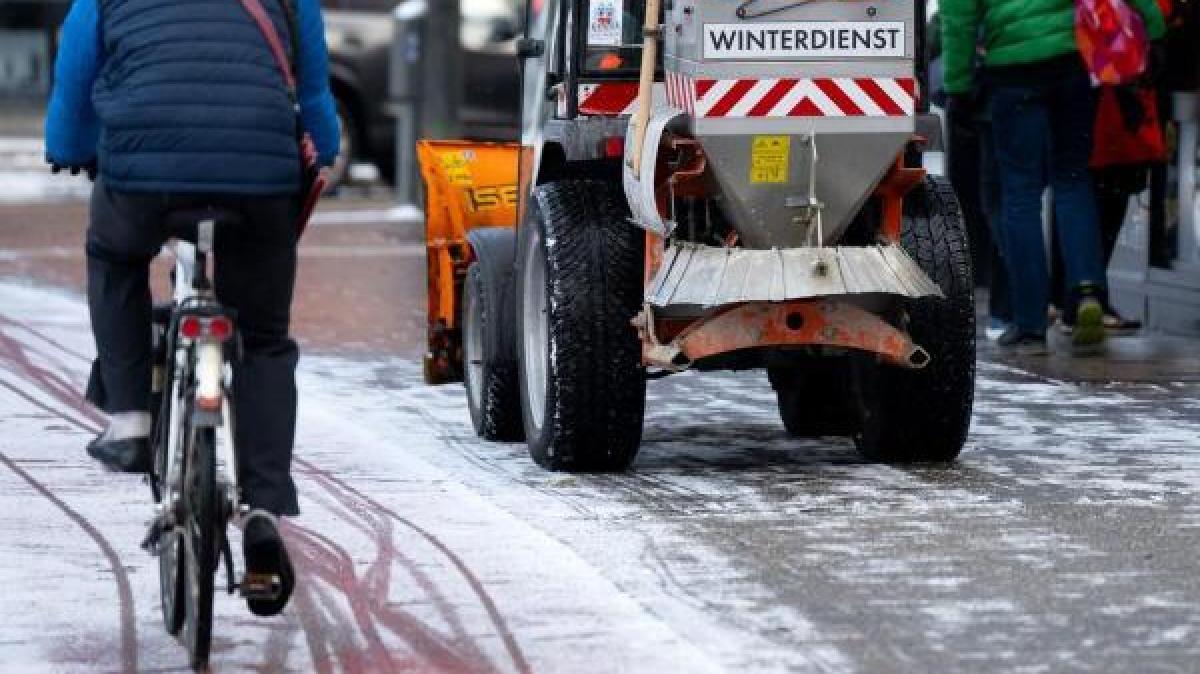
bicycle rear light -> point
(191, 327)
(219, 328)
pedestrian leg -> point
(1075, 212)
(1020, 124)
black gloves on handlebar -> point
(89, 168)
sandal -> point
(269, 578)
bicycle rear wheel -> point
(201, 542)
(171, 583)
(171, 576)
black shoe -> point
(1018, 342)
(269, 578)
(1119, 326)
(131, 455)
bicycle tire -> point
(171, 579)
(171, 583)
(201, 542)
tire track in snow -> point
(319, 556)
(13, 355)
(376, 587)
(358, 500)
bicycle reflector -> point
(218, 328)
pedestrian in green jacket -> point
(1042, 108)
(1015, 32)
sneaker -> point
(1020, 343)
(269, 579)
(1088, 327)
(996, 327)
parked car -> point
(359, 34)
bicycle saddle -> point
(185, 224)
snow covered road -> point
(1065, 539)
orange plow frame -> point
(467, 185)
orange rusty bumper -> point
(826, 323)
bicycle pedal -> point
(261, 586)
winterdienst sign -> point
(807, 39)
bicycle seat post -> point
(205, 235)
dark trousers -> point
(254, 274)
(999, 303)
(1043, 135)
(1115, 185)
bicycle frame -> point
(205, 358)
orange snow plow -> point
(468, 186)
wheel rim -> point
(535, 332)
(473, 349)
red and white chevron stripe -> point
(793, 97)
(681, 92)
(608, 99)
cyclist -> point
(179, 106)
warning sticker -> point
(604, 23)
(769, 157)
(803, 39)
(457, 166)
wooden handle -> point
(646, 83)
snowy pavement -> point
(1064, 540)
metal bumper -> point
(702, 277)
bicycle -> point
(194, 474)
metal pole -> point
(406, 74)
(1187, 113)
(921, 54)
(442, 93)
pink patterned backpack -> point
(1112, 39)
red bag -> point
(312, 181)
(1124, 135)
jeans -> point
(999, 304)
(255, 270)
(1043, 137)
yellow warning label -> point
(769, 159)
(457, 168)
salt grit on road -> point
(1063, 541)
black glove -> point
(89, 168)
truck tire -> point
(815, 399)
(922, 416)
(489, 359)
(579, 284)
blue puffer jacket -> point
(184, 96)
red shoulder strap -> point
(267, 28)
